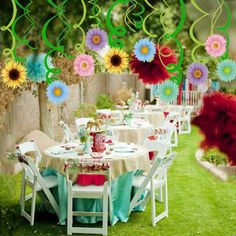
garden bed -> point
(222, 172)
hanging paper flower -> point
(154, 72)
(197, 73)
(168, 91)
(116, 60)
(217, 121)
(215, 45)
(36, 70)
(13, 74)
(144, 50)
(226, 70)
(84, 65)
(57, 92)
(96, 39)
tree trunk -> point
(44, 112)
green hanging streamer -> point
(96, 11)
(216, 15)
(225, 28)
(118, 31)
(154, 10)
(174, 68)
(51, 72)
(136, 20)
(80, 46)
(191, 32)
(28, 30)
(10, 51)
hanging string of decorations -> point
(24, 40)
(135, 21)
(152, 58)
(216, 46)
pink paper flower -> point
(215, 45)
(84, 65)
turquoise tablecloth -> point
(121, 190)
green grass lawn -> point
(199, 204)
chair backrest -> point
(172, 117)
(69, 137)
(104, 111)
(188, 110)
(31, 171)
(170, 128)
(87, 166)
(28, 147)
(158, 170)
(156, 146)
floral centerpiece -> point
(98, 135)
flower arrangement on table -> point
(106, 118)
(98, 135)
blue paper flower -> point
(144, 50)
(57, 92)
(226, 70)
(36, 70)
(168, 91)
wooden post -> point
(44, 112)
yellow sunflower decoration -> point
(13, 74)
(116, 60)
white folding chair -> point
(173, 118)
(38, 184)
(184, 122)
(160, 149)
(27, 148)
(155, 179)
(68, 135)
(89, 192)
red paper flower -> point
(154, 72)
(217, 120)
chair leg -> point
(33, 203)
(153, 206)
(22, 197)
(166, 199)
(69, 213)
(105, 210)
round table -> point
(155, 118)
(122, 158)
(123, 166)
(132, 133)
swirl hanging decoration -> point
(117, 31)
(134, 23)
(224, 29)
(96, 11)
(191, 33)
(51, 72)
(174, 68)
(154, 10)
(80, 46)
(10, 51)
(27, 31)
